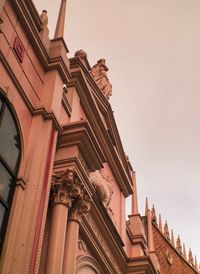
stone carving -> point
(99, 73)
(169, 257)
(103, 187)
(44, 19)
(81, 206)
(65, 187)
(82, 245)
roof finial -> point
(190, 257)
(149, 229)
(178, 244)
(184, 252)
(59, 32)
(166, 230)
(195, 263)
(172, 237)
(134, 195)
(146, 206)
(160, 223)
(153, 215)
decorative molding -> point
(80, 207)
(103, 243)
(19, 49)
(82, 245)
(169, 257)
(65, 187)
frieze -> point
(103, 243)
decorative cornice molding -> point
(120, 172)
(81, 134)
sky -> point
(152, 50)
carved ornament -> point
(103, 186)
(169, 257)
(66, 187)
(81, 206)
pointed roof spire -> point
(149, 229)
(160, 223)
(166, 230)
(178, 245)
(190, 257)
(134, 195)
(195, 263)
(172, 237)
(184, 252)
(153, 215)
(146, 206)
(59, 32)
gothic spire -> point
(166, 230)
(195, 263)
(190, 257)
(59, 32)
(146, 206)
(149, 229)
(178, 244)
(134, 195)
(184, 252)
(153, 214)
(160, 223)
(172, 237)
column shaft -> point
(57, 236)
(71, 244)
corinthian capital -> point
(80, 207)
(65, 187)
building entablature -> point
(118, 166)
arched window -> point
(9, 160)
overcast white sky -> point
(152, 48)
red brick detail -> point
(171, 262)
(19, 49)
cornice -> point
(76, 63)
(80, 133)
(140, 265)
(92, 113)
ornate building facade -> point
(64, 176)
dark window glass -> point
(0, 104)
(9, 155)
(2, 214)
(6, 181)
(9, 143)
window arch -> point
(87, 264)
(9, 162)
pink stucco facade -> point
(67, 210)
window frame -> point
(13, 173)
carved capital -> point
(65, 187)
(80, 207)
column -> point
(63, 192)
(80, 208)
